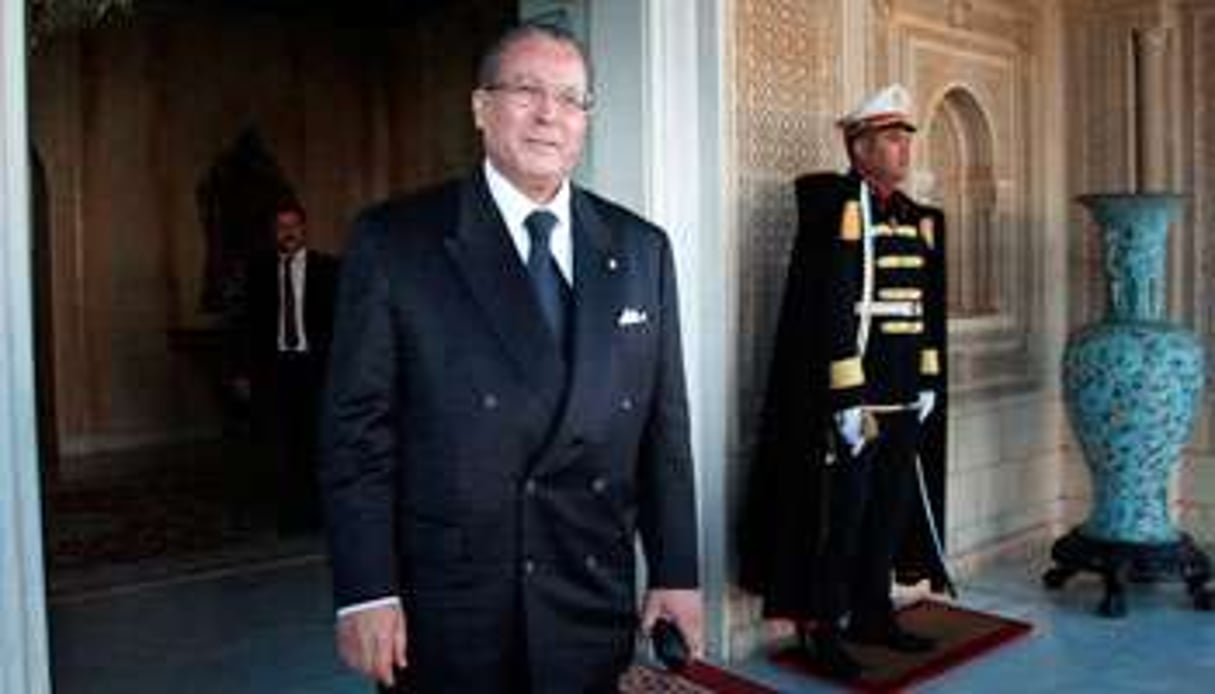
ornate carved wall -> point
(787, 97)
(970, 66)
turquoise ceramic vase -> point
(1132, 381)
(1131, 384)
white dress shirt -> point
(297, 265)
(515, 207)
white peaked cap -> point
(889, 107)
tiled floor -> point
(268, 629)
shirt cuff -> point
(368, 604)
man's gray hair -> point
(491, 62)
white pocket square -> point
(631, 316)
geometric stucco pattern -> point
(786, 97)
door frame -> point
(24, 658)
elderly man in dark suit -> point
(506, 411)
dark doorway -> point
(44, 356)
(148, 482)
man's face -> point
(530, 126)
(885, 154)
(289, 231)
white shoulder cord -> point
(866, 304)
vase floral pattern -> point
(1132, 381)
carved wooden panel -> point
(127, 118)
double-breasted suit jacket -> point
(492, 481)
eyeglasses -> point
(525, 95)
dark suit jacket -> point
(460, 473)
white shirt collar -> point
(296, 258)
(515, 207)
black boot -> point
(888, 633)
(822, 644)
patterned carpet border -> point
(698, 678)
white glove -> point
(926, 403)
(849, 424)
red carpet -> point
(961, 635)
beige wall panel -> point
(1196, 255)
(787, 96)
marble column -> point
(1150, 47)
(23, 642)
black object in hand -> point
(670, 647)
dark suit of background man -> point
(502, 419)
(288, 326)
(856, 392)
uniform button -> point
(489, 401)
(626, 404)
(529, 487)
(591, 562)
(529, 567)
(598, 485)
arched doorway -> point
(960, 153)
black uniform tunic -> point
(820, 528)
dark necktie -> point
(291, 331)
(546, 277)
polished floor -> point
(267, 629)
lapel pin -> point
(612, 264)
(631, 316)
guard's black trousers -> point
(872, 497)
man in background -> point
(284, 334)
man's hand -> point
(926, 403)
(372, 641)
(850, 423)
(682, 606)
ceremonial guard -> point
(852, 438)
